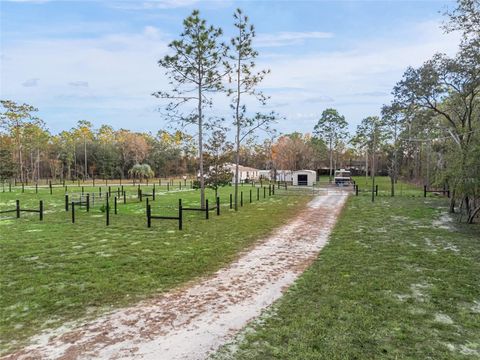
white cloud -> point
(78, 83)
(155, 4)
(289, 38)
(30, 83)
(358, 81)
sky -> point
(98, 60)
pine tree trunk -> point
(331, 162)
(200, 147)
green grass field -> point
(55, 271)
(398, 280)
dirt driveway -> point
(192, 322)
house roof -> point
(240, 167)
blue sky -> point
(97, 60)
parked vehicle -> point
(343, 177)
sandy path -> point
(193, 322)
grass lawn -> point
(55, 271)
(397, 280)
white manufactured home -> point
(245, 173)
(304, 178)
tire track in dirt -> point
(192, 322)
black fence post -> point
(9, 187)
(376, 190)
(73, 212)
(40, 210)
(66, 202)
(206, 209)
(153, 193)
(250, 196)
(88, 202)
(424, 190)
(149, 214)
(264, 192)
(124, 197)
(231, 202)
(139, 194)
(356, 190)
(83, 190)
(23, 188)
(36, 188)
(66, 188)
(100, 191)
(258, 193)
(180, 215)
(269, 190)
(218, 206)
(147, 202)
(115, 205)
(180, 185)
(107, 209)
(241, 198)
(273, 189)
(17, 207)
(168, 186)
(50, 185)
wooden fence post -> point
(149, 214)
(107, 209)
(180, 215)
(73, 212)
